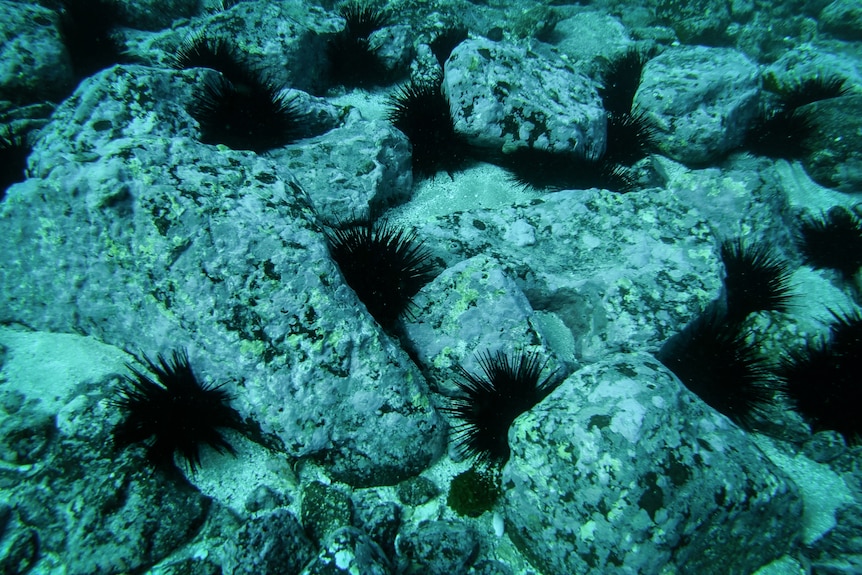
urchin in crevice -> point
(445, 42)
(554, 171)
(215, 53)
(173, 413)
(715, 359)
(630, 134)
(385, 265)
(821, 380)
(783, 128)
(354, 61)
(755, 279)
(491, 401)
(832, 241)
(239, 108)
(421, 111)
(621, 77)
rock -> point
(215, 251)
(622, 470)
(507, 96)
(34, 64)
(436, 547)
(608, 268)
(452, 315)
(268, 544)
(700, 99)
(325, 509)
(835, 159)
(698, 22)
(348, 551)
(842, 19)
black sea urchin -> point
(822, 379)
(443, 43)
(832, 241)
(546, 169)
(199, 51)
(621, 77)
(713, 358)
(755, 279)
(362, 19)
(176, 413)
(491, 401)
(780, 133)
(254, 116)
(385, 265)
(630, 138)
(809, 90)
(420, 110)
(353, 60)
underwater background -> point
(430, 287)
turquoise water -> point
(430, 287)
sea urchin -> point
(385, 265)
(491, 401)
(174, 412)
(755, 279)
(715, 360)
(421, 111)
(822, 379)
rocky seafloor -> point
(130, 237)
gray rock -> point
(379, 519)
(19, 551)
(701, 100)
(265, 498)
(842, 19)
(325, 509)
(359, 168)
(491, 567)
(609, 267)
(285, 41)
(840, 550)
(272, 543)
(349, 551)
(586, 35)
(417, 491)
(508, 96)
(835, 159)
(696, 22)
(152, 241)
(34, 64)
(438, 547)
(155, 14)
(453, 313)
(808, 60)
(638, 474)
